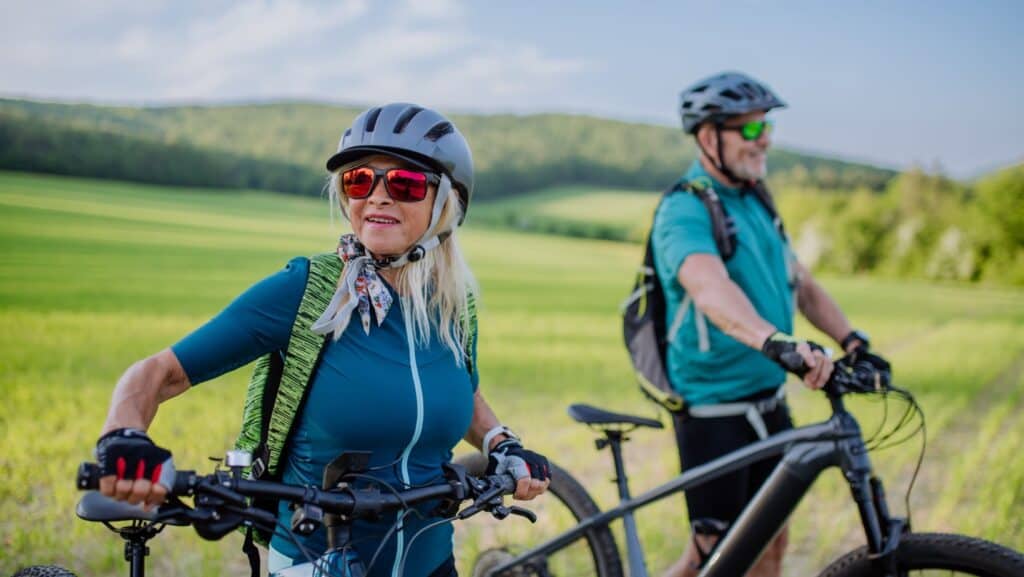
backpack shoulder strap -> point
(723, 229)
(765, 198)
(471, 326)
(278, 384)
(303, 354)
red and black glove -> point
(131, 454)
(509, 456)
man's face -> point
(747, 159)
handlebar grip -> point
(88, 478)
(794, 362)
(507, 483)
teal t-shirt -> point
(707, 366)
(370, 393)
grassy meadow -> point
(95, 275)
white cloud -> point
(350, 50)
(431, 8)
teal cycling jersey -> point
(407, 403)
(705, 365)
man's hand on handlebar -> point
(806, 359)
(133, 468)
(862, 353)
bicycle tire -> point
(44, 571)
(935, 551)
(565, 504)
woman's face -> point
(384, 225)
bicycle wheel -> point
(935, 554)
(482, 542)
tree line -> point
(283, 146)
(922, 225)
(844, 217)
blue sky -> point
(894, 83)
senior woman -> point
(400, 381)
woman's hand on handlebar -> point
(530, 469)
(133, 468)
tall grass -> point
(94, 275)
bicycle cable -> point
(880, 440)
(305, 552)
(889, 439)
(405, 554)
(920, 455)
(324, 567)
(399, 520)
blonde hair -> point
(438, 287)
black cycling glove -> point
(509, 456)
(130, 454)
(781, 348)
(861, 354)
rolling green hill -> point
(513, 153)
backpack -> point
(279, 383)
(644, 311)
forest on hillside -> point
(843, 217)
(283, 147)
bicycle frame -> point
(806, 452)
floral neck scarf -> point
(364, 286)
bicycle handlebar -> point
(857, 375)
(226, 490)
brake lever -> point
(523, 512)
(209, 487)
(172, 509)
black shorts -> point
(704, 439)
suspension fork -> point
(881, 530)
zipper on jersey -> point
(404, 464)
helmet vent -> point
(439, 130)
(749, 90)
(731, 94)
(404, 119)
(700, 88)
(371, 119)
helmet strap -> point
(720, 165)
(430, 240)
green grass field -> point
(576, 211)
(95, 275)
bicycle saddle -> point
(94, 506)
(594, 416)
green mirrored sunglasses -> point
(751, 130)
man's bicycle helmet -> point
(721, 96)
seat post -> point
(613, 439)
(135, 549)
